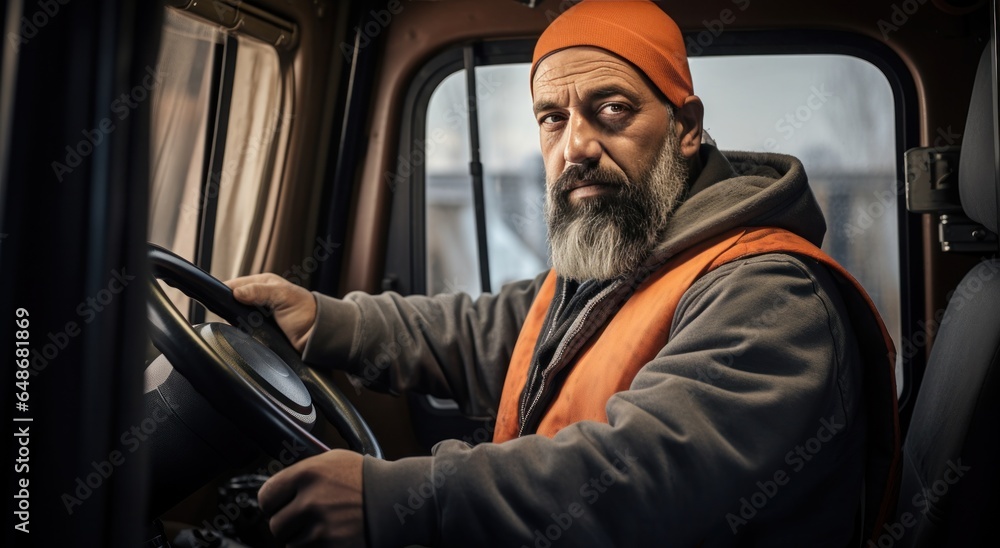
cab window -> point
(808, 106)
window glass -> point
(180, 133)
(835, 113)
(513, 179)
(452, 264)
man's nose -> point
(583, 145)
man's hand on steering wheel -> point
(294, 307)
(257, 379)
(317, 502)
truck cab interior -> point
(149, 150)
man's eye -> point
(614, 109)
(550, 119)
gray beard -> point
(608, 237)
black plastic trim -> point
(476, 166)
(995, 53)
(215, 150)
(349, 150)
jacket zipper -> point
(557, 357)
(536, 366)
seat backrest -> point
(949, 491)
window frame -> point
(406, 249)
(219, 110)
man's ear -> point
(688, 120)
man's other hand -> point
(317, 502)
(294, 307)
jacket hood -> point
(743, 189)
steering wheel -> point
(248, 371)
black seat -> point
(951, 454)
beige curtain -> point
(179, 131)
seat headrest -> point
(977, 179)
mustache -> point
(599, 175)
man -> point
(690, 373)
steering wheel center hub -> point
(262, 368)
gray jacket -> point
(747, 428)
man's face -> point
(614, 169)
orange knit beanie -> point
(635, 30)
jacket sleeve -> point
(448, 346)
(759, 363)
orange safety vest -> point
(640, 329)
